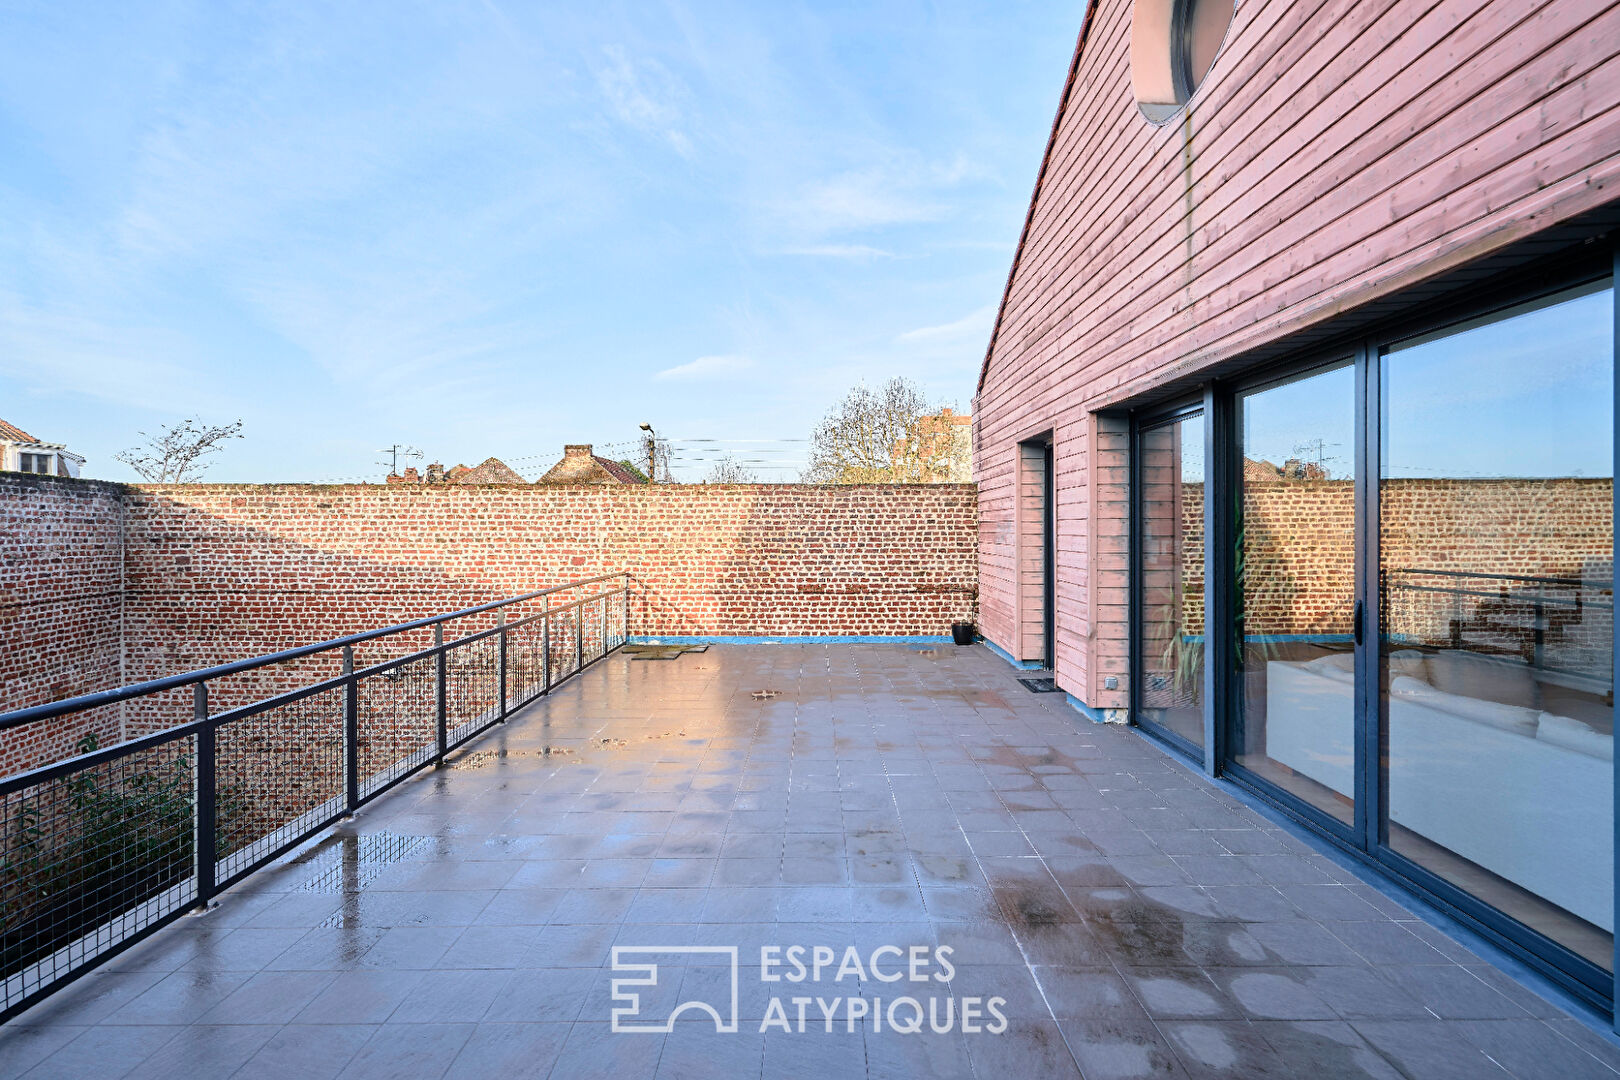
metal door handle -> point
(1356, 622)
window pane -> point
(1172, 526)
(1497, 565)
(1296, 572)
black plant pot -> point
(962, 633)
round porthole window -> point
(1173, 46)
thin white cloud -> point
(973, 325)
(841, 251)
(647, 97)
(863, 200)
(706, 367)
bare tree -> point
(728, 470)
(880, 436)
(174, 455)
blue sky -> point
(493, 228)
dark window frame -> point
(1365, 840)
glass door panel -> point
(1496, 694)
(1295, 569)
(1171, 523)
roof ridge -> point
(14, 433)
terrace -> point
(1137, 919)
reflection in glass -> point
(1496, 577)
(1296, 573)
(1171, 521)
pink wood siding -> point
(1338, 152)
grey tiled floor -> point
(1136, 920)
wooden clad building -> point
(1373, 240)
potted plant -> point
(962, 633)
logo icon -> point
(646, 973)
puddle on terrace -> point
(1013, 758)
(346, 863)
(1135, 932)
(479, 759)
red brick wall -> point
(61, 586)
(1338, 153)
(213, 573)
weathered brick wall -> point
(213, 573)
(218, 570)
(61, 584)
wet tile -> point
(547, 995)
(109, 1052)
(22, 1047)
(270, 997)
(1121, 1049)
(813, 1053)
(408, 1052)
(1331, 1050)
(201, 1050)
(180, 998)
(1170, 993)
(696, 1051)
(1271, 993)
(1452, 992)
(1225, 1048)
(451, 996)
(1025, 1048)
(1302, 942)
(518, 1051)
(1532, 1048)
(313, 1052)
(1432, 1049)
(1088, 993)
(360, 997)
(594, 1051)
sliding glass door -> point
(1293, 722)
(1170, 576)
(1496, 574)
(1405, 637)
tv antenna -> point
(396, 452)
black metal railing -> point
(103, 848)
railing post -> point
(207, 819)
(439, 705)
(351, 733)
(625, 636)
(500, 621)
(604, 626)
(579, 638)
(545, 646)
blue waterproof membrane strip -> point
(1094, 715)
(1277, 639)
(831, 639)
(1026, 665)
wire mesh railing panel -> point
(100, 848)
(472, 687)
(591, 613)
(618, 621)
(564, 635)
(395, 715)
(91, 857)
(525, 662)
(280, 775)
